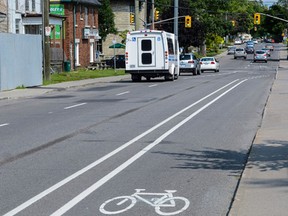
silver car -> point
(189, 63)
(231, 50)
(240, 53)
(260, 55)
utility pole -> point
(152, 15)
(176, 4)
(46, 37)
(136, 14)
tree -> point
(275, 27)
(106, 20)
(211, 19)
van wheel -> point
(169, 77)
(176, 76)
(136, 78)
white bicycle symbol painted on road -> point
(161, 201)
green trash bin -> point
(67, 66)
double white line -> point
(120, 168)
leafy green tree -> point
(106, 19)
(211, 19)
(275, 27)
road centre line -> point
(120, 168)
(105, 157)
(76, 105)
(153, 85)
(122, 93)
(2, 125)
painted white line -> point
(105, 157)
(152, 85)
(120, 168)
(122, 93)
(2, 125)
(76, 105)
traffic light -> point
(132, 21)
(233, 23)
(257, 18)
(156, 15)
(188, 21)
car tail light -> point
(212, 62)
(201, 63)
(126, 57)
(191, 62)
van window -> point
(146, 45)
(146, 58)
(170, 46)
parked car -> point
(260, 55)
(267, 50)
(240, 53)
(120, 61)
(231, 50)
(189, 63)
(209, 64)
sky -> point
(269, 2)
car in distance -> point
(240, 53)
(267, 50)
(231, 50)
(209, 64)
(189, 63)
(249, 50)
(237, 41)
(271, 47)
(255, 41)
(260, 55)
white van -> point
(152, 53)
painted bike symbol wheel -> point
(180, 204)
(117, 205)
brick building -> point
(80, 27)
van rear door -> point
(147, 53)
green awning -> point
(117, 46)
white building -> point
(25, 16)
(3, 16)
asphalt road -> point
(86, 151)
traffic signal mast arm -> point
(148, 24)
(274, 17)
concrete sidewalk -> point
(263, 188)
(40, 90)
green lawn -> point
(82, 74)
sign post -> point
(114, 42)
